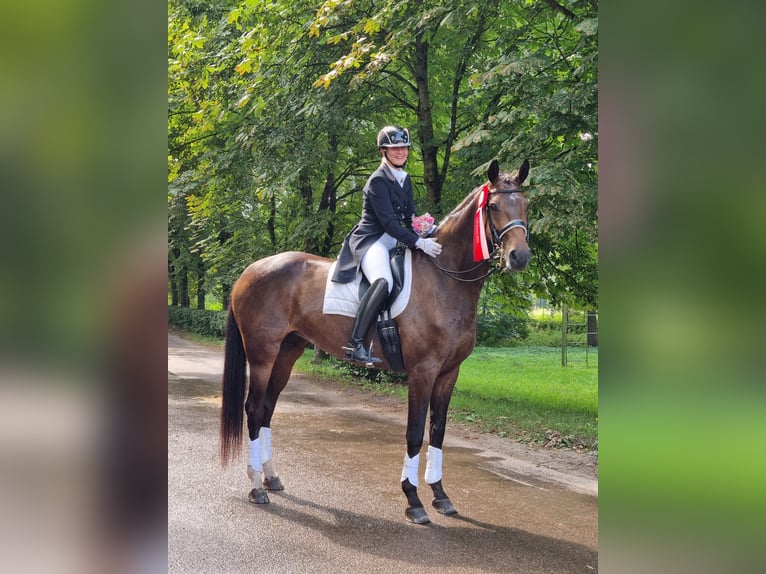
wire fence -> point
(579, 332)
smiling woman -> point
(387, 214)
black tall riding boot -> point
(369, 307)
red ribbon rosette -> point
(480, 249)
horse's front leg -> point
(440, 399)
(416, 423)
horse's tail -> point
(233, 390)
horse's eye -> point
(493, 207)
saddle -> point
(388, 332)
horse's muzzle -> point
(517, 259)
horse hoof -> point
(258, 496)
(444, 506)
(417, 515)
(273, 483)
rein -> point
(454, 274)
(496, 235)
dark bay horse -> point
(276, 311)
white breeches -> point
(376, 263)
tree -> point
(417, 58)
(274, 107)
(547, 107)
(532, 93)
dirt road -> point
(342, 510)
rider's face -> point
(397, 155)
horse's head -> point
(507, 215)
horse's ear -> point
(493, 171)
(523, 171)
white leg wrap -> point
(433, 465)
(410, 469)
(265, 437)
(254, 459)
(268, 469)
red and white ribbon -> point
(480, 249)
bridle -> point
(497, 234)
(496, 237)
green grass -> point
(526, 394)
(208, 340)
(523, 393)
(520, 392)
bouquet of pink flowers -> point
(422, 224)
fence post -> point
(592, 328)
(564, 327)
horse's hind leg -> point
(290, 351)
(440, 399)
(267, 379)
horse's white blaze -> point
(410, 469)
(433, 465)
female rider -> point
(388, 210)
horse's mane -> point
(467, 202)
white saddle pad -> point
(343, 298)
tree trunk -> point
(319, 356)
(201, 291)
(183, 287)
(592, 323)
(487, 13)
(329, 197)
(328, 204)
(173, 284)
(425, 122)
(307, 207)
(226, 288)
(271, 223)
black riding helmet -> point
(393, 136)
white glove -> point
(431, 247)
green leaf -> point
(588, 27)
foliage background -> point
(83, 140)
(274, 107)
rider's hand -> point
(431, 247)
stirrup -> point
(359, 354)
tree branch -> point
(179, 147)
(559, 8)
(468, 50)
(402, 79)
